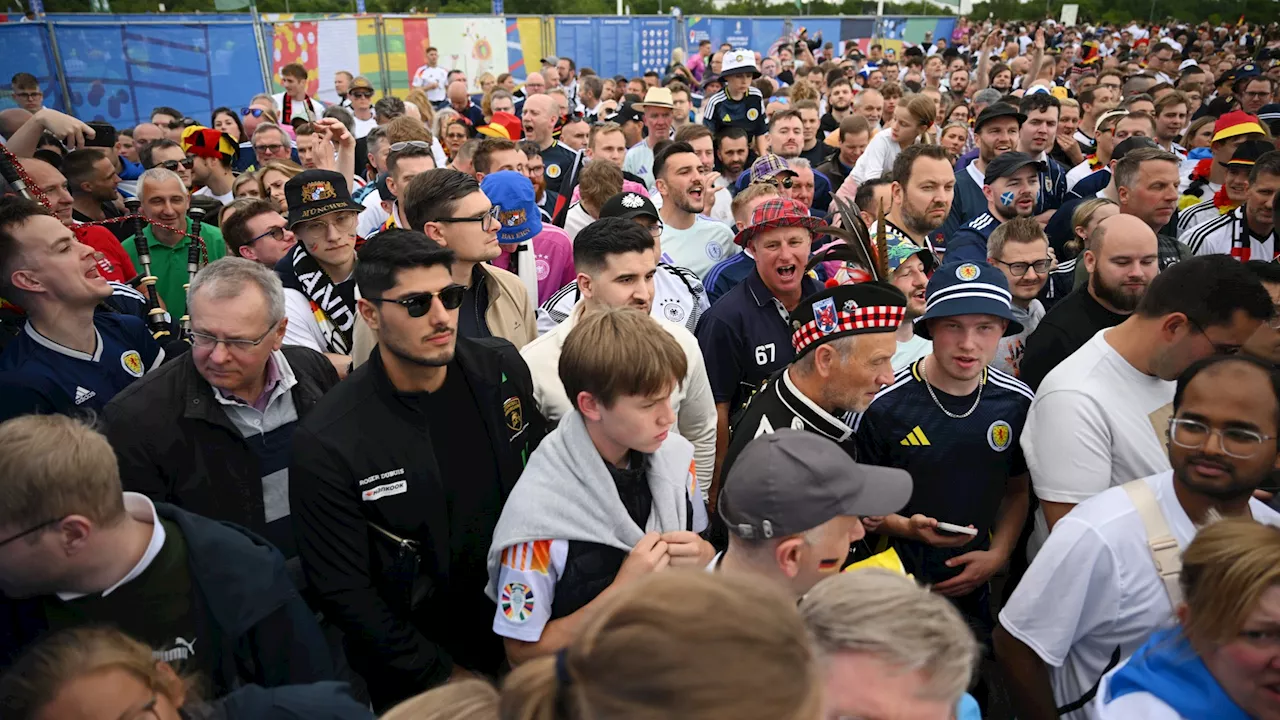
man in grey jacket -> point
(609, 496)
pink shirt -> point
(553, 253)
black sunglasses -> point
(418, 305)
(187, 163)
(361, 94)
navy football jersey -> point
(959, 466)
(720, 112)
(969, 243)
(125, 352)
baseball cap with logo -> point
(313, 193)
(1236, 122)
(969, 288)
(738, 62)
(628, 206)
(790, 481)
(518, 215)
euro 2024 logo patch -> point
(516, 601)
(999, 435)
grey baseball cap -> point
(790, 481)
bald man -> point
(460, 101)
(146, 133)
(560, 163)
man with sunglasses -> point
(453, 421)
(360, 101)
(169, 155)
(211, 431)
(259, 233)
(1094, 594)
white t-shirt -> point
(910, 351)
(224, 199)
(576, 219)
(364, 126)
(701, 246)
(302, 329)
(437, 75)
(1094, 587)
(1091, 426)
(877, 159)
(639, 162)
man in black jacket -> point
(400, 473)
(210, 598)
(211, 432)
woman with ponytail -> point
(912, 120)
(688, 645)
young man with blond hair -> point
(609, 496)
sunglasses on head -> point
(256, 112)
(420, 304)
(172, 165)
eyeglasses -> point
(656, 229)
(420, 304)
(29, 531)
(268, 149)
(1018, 269)
(361, 93)
(204, 341)
(29, 95)
(173, 165)
(1235, 442)
(1259, 95)
(397, 147)
(246, 112)
(316, 230)
(1218, 349)
(488, 221)
(276, 233)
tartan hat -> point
(844, 310)
(768, 167)
(776, 213)
(969, 288)
(208, 143)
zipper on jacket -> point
(402, 542)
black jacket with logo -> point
(364, 469)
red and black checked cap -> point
(843, 310)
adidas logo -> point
(82, 395)
(915, 437)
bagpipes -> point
(14, 174)
(863, 259)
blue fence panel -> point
(26, 49)
(117, 74)
(616, 47)
(657, 37)
(611, 46)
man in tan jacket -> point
(616, 262)
(449, 207)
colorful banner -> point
(295, 42)
(472, 45)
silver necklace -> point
(945, 411)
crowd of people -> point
(788, 385)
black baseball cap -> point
(791, 481)
(997, 110)
(1005, 165)
(1128, 145)
(628, 206)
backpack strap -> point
(1164, 547)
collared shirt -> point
(273, 406)
(140, 508)
(745, 338)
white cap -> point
(739, 61)
(1186, 64)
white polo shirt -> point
(1094, 587)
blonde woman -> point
(912, 118)
(102, 674)
(246, 185)
(1086, 217)
(954, 137)
(1199, 134)
(1220, 660)
(486, 81)
(688, 645)
(418, 98)
(460, 700)
(273, 176)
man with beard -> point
(732, 151)
(689, 240)
(454, 420)
(1147, 188)
(839, 106)
(1021, 251)
(996, 131)
(1096, 569)
(1248, 231)
(1097, 419)
(1011, 185)
(870, 105)
(1121, 257)
(616, 268)
(746, 336)
(948, 405)
(923, 189)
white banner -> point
(1069, 13)
(338, 43)
(473, 45)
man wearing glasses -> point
(360, 98)
(318, 273)
(27, 92)
(169, 155)
(1097, 417)
(211, 431)
(412, 458)
(1096, 570)
(258, 233)
(270, 143)
(1020, 249)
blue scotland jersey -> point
(720, 112)
(125, 352)
(969, 243)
